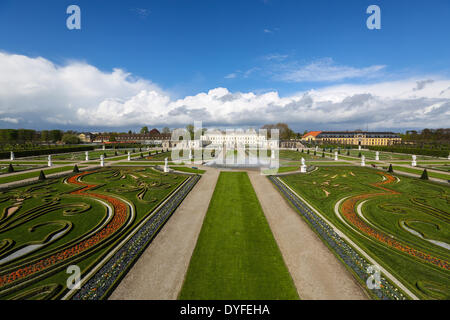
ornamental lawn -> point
(236, 256)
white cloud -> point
(231, 76)
(141, 12)
(36, 92)
(325, 70)
(10, 120)
(275, 56)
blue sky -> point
(184, 48)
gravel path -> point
(159, 273)
(316, 272)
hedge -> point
(417, 151)
(40, 152)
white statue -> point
(12, 156)
(377, 156)
(129, 155)
(363, 161)
(359, 147)
(190, 154)
(272, 153)
(414, 163)
(166, 167)
(86, 154)
(103, 147)
(303, 166)
(336, 156)
(102, 160)
(49, 160)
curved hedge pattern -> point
(42, 265)
(345, 252)
(349, 212)
(100, 285)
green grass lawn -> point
(298, 155)
(33, 174)
(422, 205)
(383, 155)
(43, 162)
(143, 163)
(419, 172)
(326, 163)
(188, 169)
(17, 168)
(236, 256)
(281, 170)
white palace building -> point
(239, 137)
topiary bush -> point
(41, 176)
(424, 175)
(10, 168)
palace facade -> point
(362, 138)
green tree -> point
(144, 130)
(165, 130)
(68, 138)
(75, 169)
(10, 168)
(55, 135)
(45, 136)
(190, 129)
(390, 168)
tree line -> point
(427, 135)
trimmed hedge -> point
(40, 152)
(418, 151)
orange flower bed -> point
(349, 212)
(119, 219)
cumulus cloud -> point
(10, 120)
(422, 83)
(326, 70)
(37, 92)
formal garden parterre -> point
(399, 221)
(47, 226)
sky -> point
(312, 64)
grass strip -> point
(236, 256)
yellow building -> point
(85, 137)
(353, 138)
